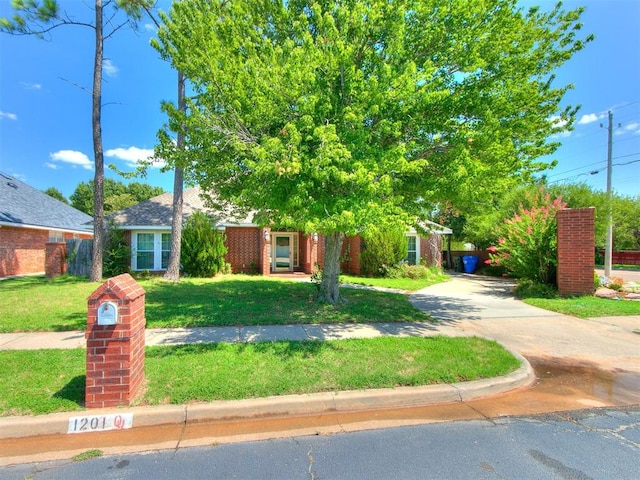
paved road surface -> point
(589, 444)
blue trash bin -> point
(470, 263)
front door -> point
(282, 258)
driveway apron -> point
(486, 306)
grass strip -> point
(45, 381)
(587, 306)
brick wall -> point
(115, 353)
(576, 251)
(243, 249)
(55, 261)
(22, 251)
(624, 257)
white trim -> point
(417, 237)
(144, 227)
(36, 227)
(157, 249)
(294, 251)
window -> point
(150, 250)
(166, 248)
(413, 252)
(56, 237)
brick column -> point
(576, 251)
(265, 252)
(55, 259)
(115, 352)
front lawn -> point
(60, 304)
(46, 381)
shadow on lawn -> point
(282, 349)
(73, 391)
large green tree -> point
(117, 195)
(35, 17)
(329, 116)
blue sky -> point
(45, 110)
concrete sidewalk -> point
(266, 333)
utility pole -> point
(608, 245)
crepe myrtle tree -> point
(330, 116)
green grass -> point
(587, 306)
(45, 381)
(40, 304)
(407, 284)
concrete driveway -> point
(485, 306)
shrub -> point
(532, 289)
(203, 249)
(527, 246)
(382, 247)
(404, 270)
(116, 256)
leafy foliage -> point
(117, 195)
(203, 249)
(331, 117)
(527, 246)
(383, 247)
(57, 194)
(116, 258)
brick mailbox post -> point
(115, 343)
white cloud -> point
(72, 157)
(133, 155)
(588, 118)
(10, 116)
(109, 68)
(52, 166)
(31, 86)
(632, 127)
(149, 27)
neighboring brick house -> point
(251, 248)
(32, 222)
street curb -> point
(281, 406)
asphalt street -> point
(586, 444)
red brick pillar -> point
(115, 343)
(576, 251)
(265, 251)
(55, 259)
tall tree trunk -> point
(330, 286)
(173, 269)
(98, 179)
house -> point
(251, 248)
(31, 222)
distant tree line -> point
(117, 195)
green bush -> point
(527, 246)
(404, 270)
(116, 256)
(531, 289)
(383, 247)
(203, 249)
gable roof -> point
(158, 211)
(24, 206)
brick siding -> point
(243, 249)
